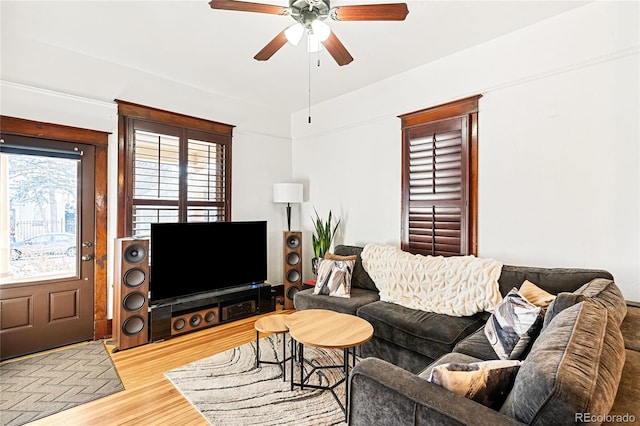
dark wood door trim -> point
(100, 140)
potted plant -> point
(322, 238)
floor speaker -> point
(292, 266)
(131, 291)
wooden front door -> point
(47, 219)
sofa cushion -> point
(476, 345)
(360, 277)
(562, 301)
(553, 280)
(305, 299)
(626, 404)
(630, 327)
(574, 366)
(607, 294)
(426, 333)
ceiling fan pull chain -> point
(309, 71)
(318, 64)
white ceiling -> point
(190, 43)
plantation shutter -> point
(206, 181)
(177, 169)
(438, 204)
(156, 180)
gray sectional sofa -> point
(584, 363)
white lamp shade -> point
(321, 30)
(287, 192)
(294, 33)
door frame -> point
(100, 140)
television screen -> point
(190, 258)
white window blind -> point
(161, 190)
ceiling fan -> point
(309, 16)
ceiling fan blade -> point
(337, 50)
(371, 12)
(244, 6)
(272, 47)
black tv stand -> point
(173, 317)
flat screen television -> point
(191, 258)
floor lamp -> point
(287, 193)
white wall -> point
(558, 144)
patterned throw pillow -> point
(513, 325)
(334, 277)
(486, 382)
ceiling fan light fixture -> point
(320, 29)
(294, 33)
(313, 43)
(309, 15)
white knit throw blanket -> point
(456, 285)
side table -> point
(321, 328)
(272, 324)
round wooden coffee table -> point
(326, 329)
(272, 324)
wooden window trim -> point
(189, 127)
(464, 107)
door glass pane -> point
(38, 218)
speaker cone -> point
(293, 259)
(195, 320)
(133, 325)
(210, 316)
(133, 301)
(293, 276)
(291, 291)
(293, 241)
(134, 277)
(135, 253)
(179, 324)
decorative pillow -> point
(334, 277)
(332, 256)
(535, 294)
(486, 382)
(513, 325)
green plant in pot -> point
(322, 238)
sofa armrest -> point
(385, 394)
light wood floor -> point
(149, 398)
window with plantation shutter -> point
(439, 167)
(172, 168)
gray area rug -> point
(41, 385)
(228, 390)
